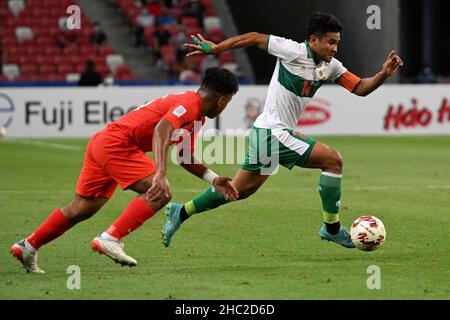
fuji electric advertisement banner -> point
(80, 112)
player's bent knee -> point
(335, 163)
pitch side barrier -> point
(80, 112)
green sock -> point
(207, 200)
(330, 192)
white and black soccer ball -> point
(368, 233)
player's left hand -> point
(225, 187)
(392, 63)
(160, 188)
(202, 46)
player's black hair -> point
(220, 81)
(320, 23)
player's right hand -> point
(160, 188)
(202, 46)
(226, 188)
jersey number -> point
(307, 86)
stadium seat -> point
(47, 69)
(211, 23)
(189, 76)
(168, 54)
(189, 22)
(72, 77)
(65, 69)
(114, 60)
(44, 59)
(23, 33)
(29, 68)
(226, 57)
(16, 6)
(8, 41)
(215, 35)
(10, 71)
(233, 67)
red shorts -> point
(110, 159)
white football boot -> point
(113, 249)
(26, 255)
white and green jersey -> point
(295, 80)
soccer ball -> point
(368, 233)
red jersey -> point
(180, 109)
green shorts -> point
(269, 147)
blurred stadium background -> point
(120, 44)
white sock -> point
(107, 236)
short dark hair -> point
(320, 23)
(220, 80)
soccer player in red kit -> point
(116, 155)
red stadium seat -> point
(87, 50)
(29, 68)
(104, 50)
(52, 51)
(65, 69)
(193, 31)
(44, 60)
(168, 54)
(61, 60)
(189, 22)
(226, 57)
(47, 69)
(45, 41)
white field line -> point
(46, 144)
(358, 188)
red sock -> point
(132, 218)
(55, 225)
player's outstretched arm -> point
(203, 46)
(390, 66)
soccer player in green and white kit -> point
(299, 72)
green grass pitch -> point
(265, 247)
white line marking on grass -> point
(46, 144)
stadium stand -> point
(187, 18)
(36, 45)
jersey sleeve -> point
(348, 80)
(336, 69)
(180, 115)
(283, 48)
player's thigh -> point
(126, 164)
(142, 185)
(94, 181)
(248, 182)
(324, 157)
